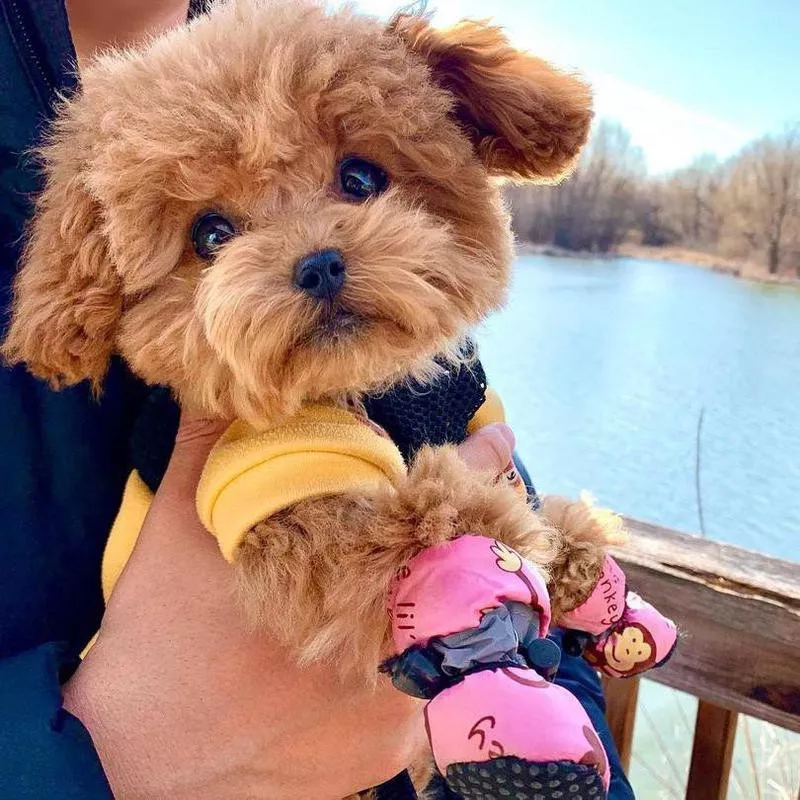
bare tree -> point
(747, 207)
(763, 194)
(692, 202)
(594, 209)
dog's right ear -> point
(67, 297)
(526, 119)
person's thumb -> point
(489, 449)
(171, 524)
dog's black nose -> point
(321, 274)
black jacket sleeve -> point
(45, 752)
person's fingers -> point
(489, 449)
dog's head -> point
(278, 204)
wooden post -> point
(714, 736)
(621, 698)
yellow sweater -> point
(252, 474)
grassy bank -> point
(680, 255)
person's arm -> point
(180, 700)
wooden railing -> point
(739, 616)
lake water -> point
(604, 367)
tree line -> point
(745, 208)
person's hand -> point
(183, 702)
(489, 449)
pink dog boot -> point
(509, 729)
(642, 639)
(628, 635)
(468, 619)
(604, 606)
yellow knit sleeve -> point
(252, 474)
(125, 531)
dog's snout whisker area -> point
(321, 275)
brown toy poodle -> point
(277, 205)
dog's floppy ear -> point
(527, 120)
(66, 295)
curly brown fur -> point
(582, 546)
(317, 574)
(247, 111)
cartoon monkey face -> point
(630, 649)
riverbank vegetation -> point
(741, 215)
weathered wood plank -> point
(714, 737)
(621, 699)
(731, 565)
(739, 616)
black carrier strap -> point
(437, 413)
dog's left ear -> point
(526, 119)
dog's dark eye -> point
(209, 232)
(360, 179)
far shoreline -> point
(678, 255)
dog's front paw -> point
(585, 535)
(442, 498)
(483, 740)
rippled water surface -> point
(605, 365)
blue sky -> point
(684, 77)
